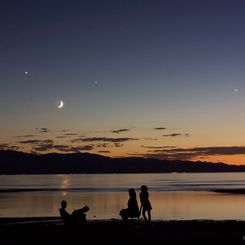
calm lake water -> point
(173, 196)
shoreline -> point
(56, 220)
(47, 230)
(53, 220)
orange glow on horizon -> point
(138, 145)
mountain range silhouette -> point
(14, 162)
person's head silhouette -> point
(144, 188)
(85, 209)
(132, 192)
(63, 204)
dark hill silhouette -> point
(13, 162)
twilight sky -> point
(137, 77)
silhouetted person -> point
(145, 203)
(133, 208)
(78, 216)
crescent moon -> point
(61, 104)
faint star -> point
(26, 72)
(236, 90)
(96, 82)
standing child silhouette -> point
(145, 203)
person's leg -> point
(149, 215)
(143, 214)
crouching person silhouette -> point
(77, 217)
(133, 208)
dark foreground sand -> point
(52, 231)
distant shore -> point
(230, 191)
(87, 163)
(50, 230)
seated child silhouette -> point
(77, 217)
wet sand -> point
(50, 230)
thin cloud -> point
(14, 147)
(104, 151)
(71, 134)
(66, 130)
(109, 145)
(120, 130)
(176, 135)
(221, 150)
(160, 128)
(29, 141)
(103, 139)
(192, 153)
(62, 148)
(48, 141)
(43, 130)
(6, 146)
(76, 149)
(158, 147)
(172, 135)
(66, 135)
(86, 148)
(25, 136)
(103, 145)
(43, 147)
(151, 138)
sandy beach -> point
(50, 230)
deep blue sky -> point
(124, 64)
